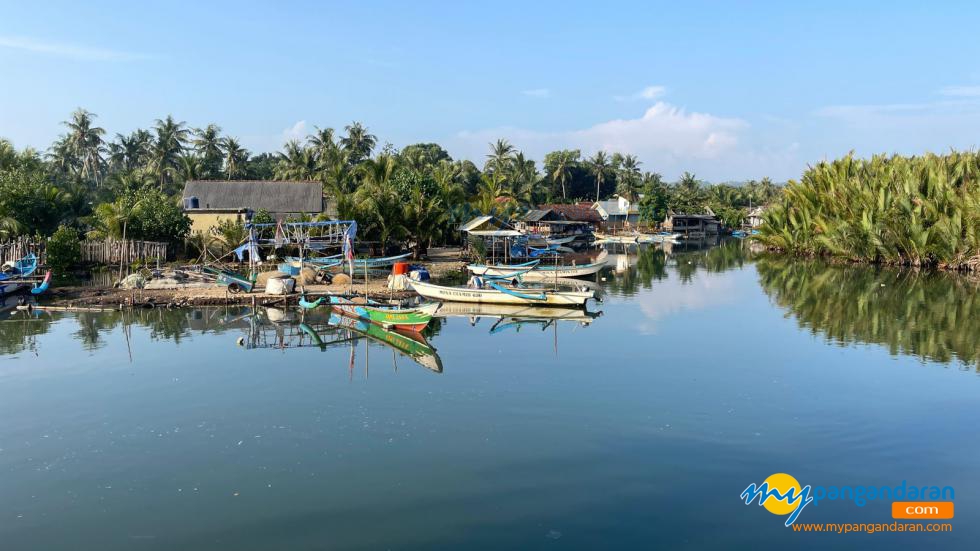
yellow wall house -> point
(207, 202)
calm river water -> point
(224, 428)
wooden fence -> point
(111, 251)
(93, 252)
(16, 248)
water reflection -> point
(637, 267)
(935, 316)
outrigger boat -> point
(535, 271)
(14, 274)
(337, 260)
(502, 294)
(235, 282)
(407, 319)
(408, 343)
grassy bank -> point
(913, 211)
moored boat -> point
(498, 293)
(14, 274)
(537, 272)
(407, 319)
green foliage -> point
(895, 210)
(63, 249)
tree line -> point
(127, 185)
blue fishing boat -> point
(14, 274)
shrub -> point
(64, 249)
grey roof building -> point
(284, 197)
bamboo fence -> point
(109, 251)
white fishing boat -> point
(620, 238)
(536, 272)
(658, 237)
(561, 240)
(496, 293)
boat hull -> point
(539, 273)
(407, 319)
(494, 296)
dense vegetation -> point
(126, 186)
(917, 211)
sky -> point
(728, 91)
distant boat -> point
(560, 240)
(501, 294)
(610, 238)
(409, 343)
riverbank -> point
(441, 263)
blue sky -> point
(726, 91)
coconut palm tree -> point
(130, 152)
(236, 158)
(171, 138)
(628, 179)
(600, 167)
(500, 155)
(63, 157)
(358, 142)
(565, 161)
(86, 140)
(208, 145)
(296, 162)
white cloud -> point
(649, 93)
(961, 91)
(295, 132)
(668, 139)
(537, 93)
(72, 51)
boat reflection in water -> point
(515, 316)
(408, 343)
(283, 329)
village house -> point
(208, 202)
(754, 219)
(693, 225)
(618, 212)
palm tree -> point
(208, 145)
(358, 142)
(296, 162)
(599, 166)
(62, 155)
(629, 177)
(492, 189)
(500, 155)
(86, 140)
(523, 178)
(190, 167)
(236, 157)
(565, 161)
(322, 142)
(130, 152)
(171, 137)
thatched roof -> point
(272, 196)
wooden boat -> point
(337, 260)
(43, 286)
(537, 272)
(14, 274)
(620, 238)
(501, 294)
(408, 343)
(660, 237)
(407, 319)
(560, 240)
(235, 282)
